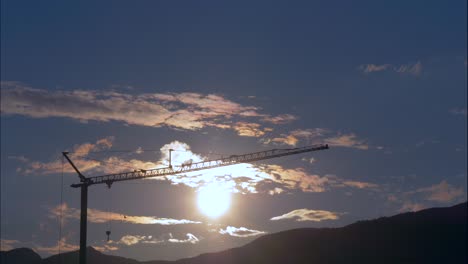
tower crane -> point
(109, 179)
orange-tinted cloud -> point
(190, 111)
(98, 216)
(247, 129)
(320, 135)
(301, 215)
(414, 69)
(442, 192)
(62, 246)
(8, 244)
(240, 231)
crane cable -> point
(109, 218)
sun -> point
(213, 200)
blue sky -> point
(383, 83)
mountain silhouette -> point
(436, 235)
(20, 255)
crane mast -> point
(108, 179)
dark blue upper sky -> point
(382, 82)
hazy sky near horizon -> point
(118, 83)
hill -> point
(436, 235)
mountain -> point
(20, 255)
(436, 235)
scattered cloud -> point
(309, 160)
(8, 244)
(78, 155)
(458, 111)
(188, 111)
(280, 119)
(320, 135)
(414, 69)
(360, 185)
(130, 240)
(240, 231)
(368, 68)
(240, 178)
(347, 141)
(247, 129)
(442, 192)
(61, 246)
(301, 215)
(192, 239)
(411, 207)
(97, 216)
(105, 248)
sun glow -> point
(213, 200)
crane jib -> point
(196, 166)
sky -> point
(119, 83)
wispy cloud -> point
(368, 68)
(78, 154)
(414, 69)
(62, 246)
(458, 111)
(301, 215)
(98, 216)
(240, 231)
(280, 119)
(190, 238)
(320, 135)
(130, 240)
(247, 129)
(409, 206)
(442, 192)
(8, 244)
(189, 111)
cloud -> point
(247, 129)
(106, 248)
(192, 239)
(62, 246)
(321, 135)
(130, 240)
(368, 68)
(414, 69)
(240, 178)
(240, 232)
(309, 160)
(8, 244)
(442, 192)
(301, 215)
(77, 155)
(411, 207)
(188, 111)
(280, 119)
(97, 216)
(359, 185)
(458, 111)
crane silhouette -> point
(109, 179)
